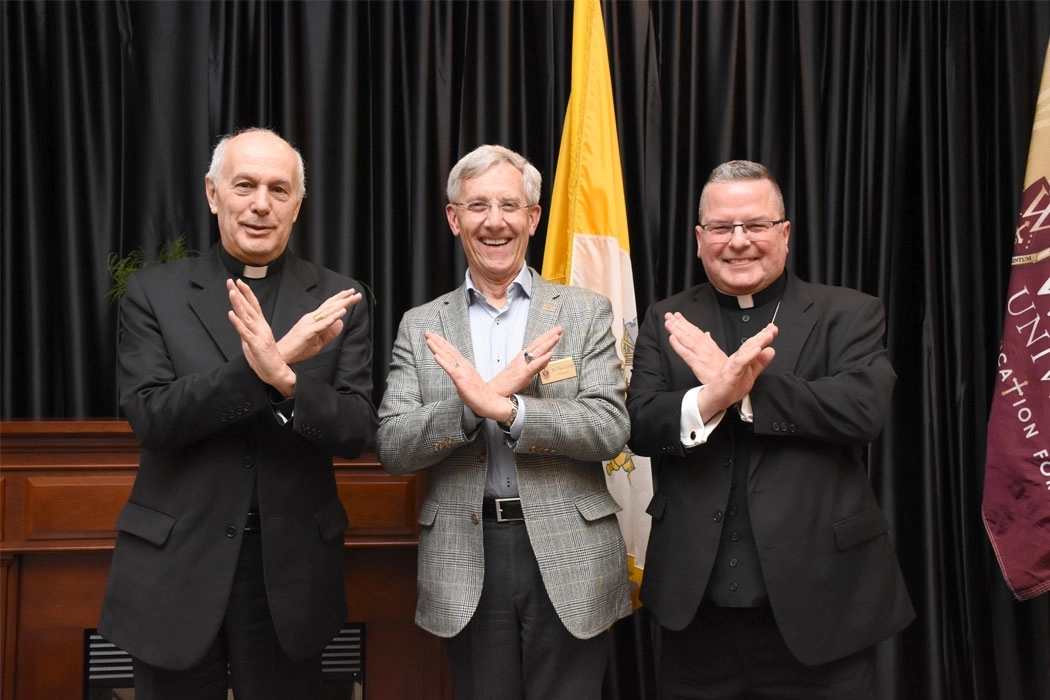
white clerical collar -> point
(762, 297)
(739, 301)
(251, 272)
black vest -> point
(736, 579)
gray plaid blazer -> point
(570, 427)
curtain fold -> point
(898, 131)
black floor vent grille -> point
(107, 669)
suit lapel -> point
(544, 308)
(293, 294)
(455, 321)
(795, 326)
(211, 303)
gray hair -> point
(218, 158)
(736, 170)
(481, 159)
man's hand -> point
(734, 380)
(521, 369)
(489, 399)
(696, 347)
(271, 359)
(316, 329)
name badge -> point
(558, 370)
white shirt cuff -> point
(693, 431)
(747, 413)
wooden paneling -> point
(9, 632)
(63, 485)
(380, 505)
(74, 507)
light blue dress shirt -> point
(497, 335)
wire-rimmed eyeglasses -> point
(482, 208)
(724, 229)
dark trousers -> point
(515, 647)
(246, 644)
(739, 654)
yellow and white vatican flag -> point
(587, 243)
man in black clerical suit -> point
(230, 548)
(769, 566)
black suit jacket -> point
(830, 569)
(208, 429)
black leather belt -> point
(253, 523)
(503, 510)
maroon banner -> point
(1017, 468)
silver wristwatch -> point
(505, 424)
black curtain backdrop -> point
(898, 130)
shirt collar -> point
(522, 283)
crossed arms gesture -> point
(489, 399)
(271, 359)
(726, 379)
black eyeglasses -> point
(724, 229)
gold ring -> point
(319, 316)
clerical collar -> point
(252, 272)
(759, 298)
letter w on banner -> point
(587, 243)
(1017, 466)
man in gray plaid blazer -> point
(509, 392)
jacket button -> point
(247, 461)
(231, 531)
(474, 518)
(733, 586)
(718, 516)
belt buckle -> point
(499, 510)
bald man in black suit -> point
(230, 549)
